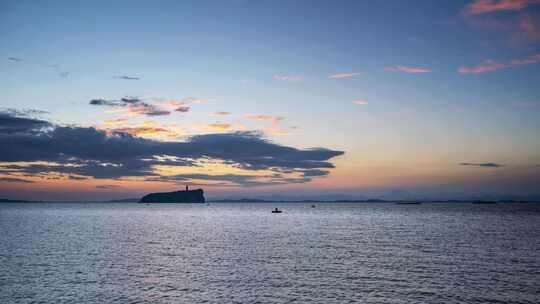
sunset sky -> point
(114, 99)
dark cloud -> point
(89, 152)
(103, 102)
(133, 105)
(151, 110)
(125, 77)
(14, 180)
(314, 173)
(130, 99)
(487, 165)
(182, 109)
(107, 187)
(12, 122)
(14, 59)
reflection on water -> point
(242, 253)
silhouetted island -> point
(186, 196)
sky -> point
(114, 99)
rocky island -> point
(182, 196)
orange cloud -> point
(360, 102)
(220, 113)
(272, 119)
(490, 6)
(406, 69)
(489, 65)
(343, 75)
(218, 127)
(148, 129)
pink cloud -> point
(490, 6)
(489, 65)
(343, 75)
(523, 29)
(527, 29)
(409, 70)
(485, 66)
(272, 119)
(360, 102)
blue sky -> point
(430, 99)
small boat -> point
(276, 211)
(313, 206)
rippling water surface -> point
(242, 253)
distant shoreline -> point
(247, 200)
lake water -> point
(242, 253)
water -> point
(242, 253)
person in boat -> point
(276, 211)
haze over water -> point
(241, 253)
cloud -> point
(232, 180)
(147, 129)
(221, 113)
(132, 106)
(125, 77)
(360, 102)
(406, 69)
(489, 65)
(218, 127)
(182, 109)
(175, 105)
(107, 187)
(17, 122)
(25, 112)
(143, 108)
(14, 59)
(343, 75)
(486, 165)
(14, 180)
(194, 100)
(130, 99)
(288, 78)
(315, 172)
(491, 6)
(270, 118)
(526, 29)
(103, 102)
(89, 152)
(64, 74)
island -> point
(182, 196)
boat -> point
(276, 211)
(313, 206)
